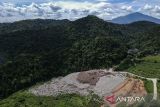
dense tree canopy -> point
(37, 50)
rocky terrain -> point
(101, 82)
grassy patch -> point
(152, 58)
(25, 99)
(158, 88)
(149, 67)
(148, 86)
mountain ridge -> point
(35, 53)
(134, 17)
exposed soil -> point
(101, 82)
(129, 88)
(91, 77)
(98, 81)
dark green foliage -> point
(36, 24)
(126, 63)
(37, 50)
(25, 99)
(100, 52)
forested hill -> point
(37, 50)
(30, 25)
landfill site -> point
(100, 82)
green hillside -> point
(34, 51)
(149, 67)
(25, 99)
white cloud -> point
(57, 10)
(102, 0)
(151, 9)
(156, 9)
(147, 7)
(70, 10)
(127, 8)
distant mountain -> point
(134, 17)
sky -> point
(15, 10)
